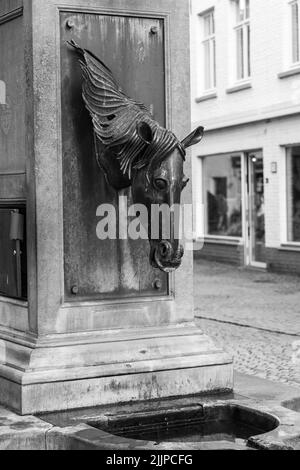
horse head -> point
(134, 150)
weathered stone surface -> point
(70, 431)
(257, 395)
(22, 433)
(61, 353)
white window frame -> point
(242, 25)
(198, 201)
(202, 229)
(294, 63)
(209, 39)
(284, 198)
(2, 92)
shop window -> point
(293, 194)
(13, 259)
(223, 195)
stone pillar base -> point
(97, 368)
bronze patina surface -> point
(134, 150)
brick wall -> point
(231, 253)
(283, 260)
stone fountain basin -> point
(258, 415)
(221, 426)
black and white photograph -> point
(150, 228)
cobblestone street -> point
(254, 315)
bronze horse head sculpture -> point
(134, 150)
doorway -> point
(256, 247)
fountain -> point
(91, 322)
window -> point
(242, 38)
(209, 50)
(293, 194)
(2, 92)
(295, 32)
(13, 263)
(223, 195)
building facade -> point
(246, 92)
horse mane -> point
(115, 117)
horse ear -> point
(194, 138)
(144, 132)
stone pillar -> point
(113, 341)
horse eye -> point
(160, 184)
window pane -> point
(207, 66)
(247, 5)
(240, 53)
(242, 10)
(207, 25)
(214, 63)
(295, 31)
(209, 51)
(212, 22)
(293, 196)
(2, 92)
(222, 185)
(239, 16)
(249, 50)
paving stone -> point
(264, 300)
(266, 355)
(254, 316)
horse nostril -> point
(165, 257)
(165, 249)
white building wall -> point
(265, 116)
(270, 38)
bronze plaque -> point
(133, 48)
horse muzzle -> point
(165, 257)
